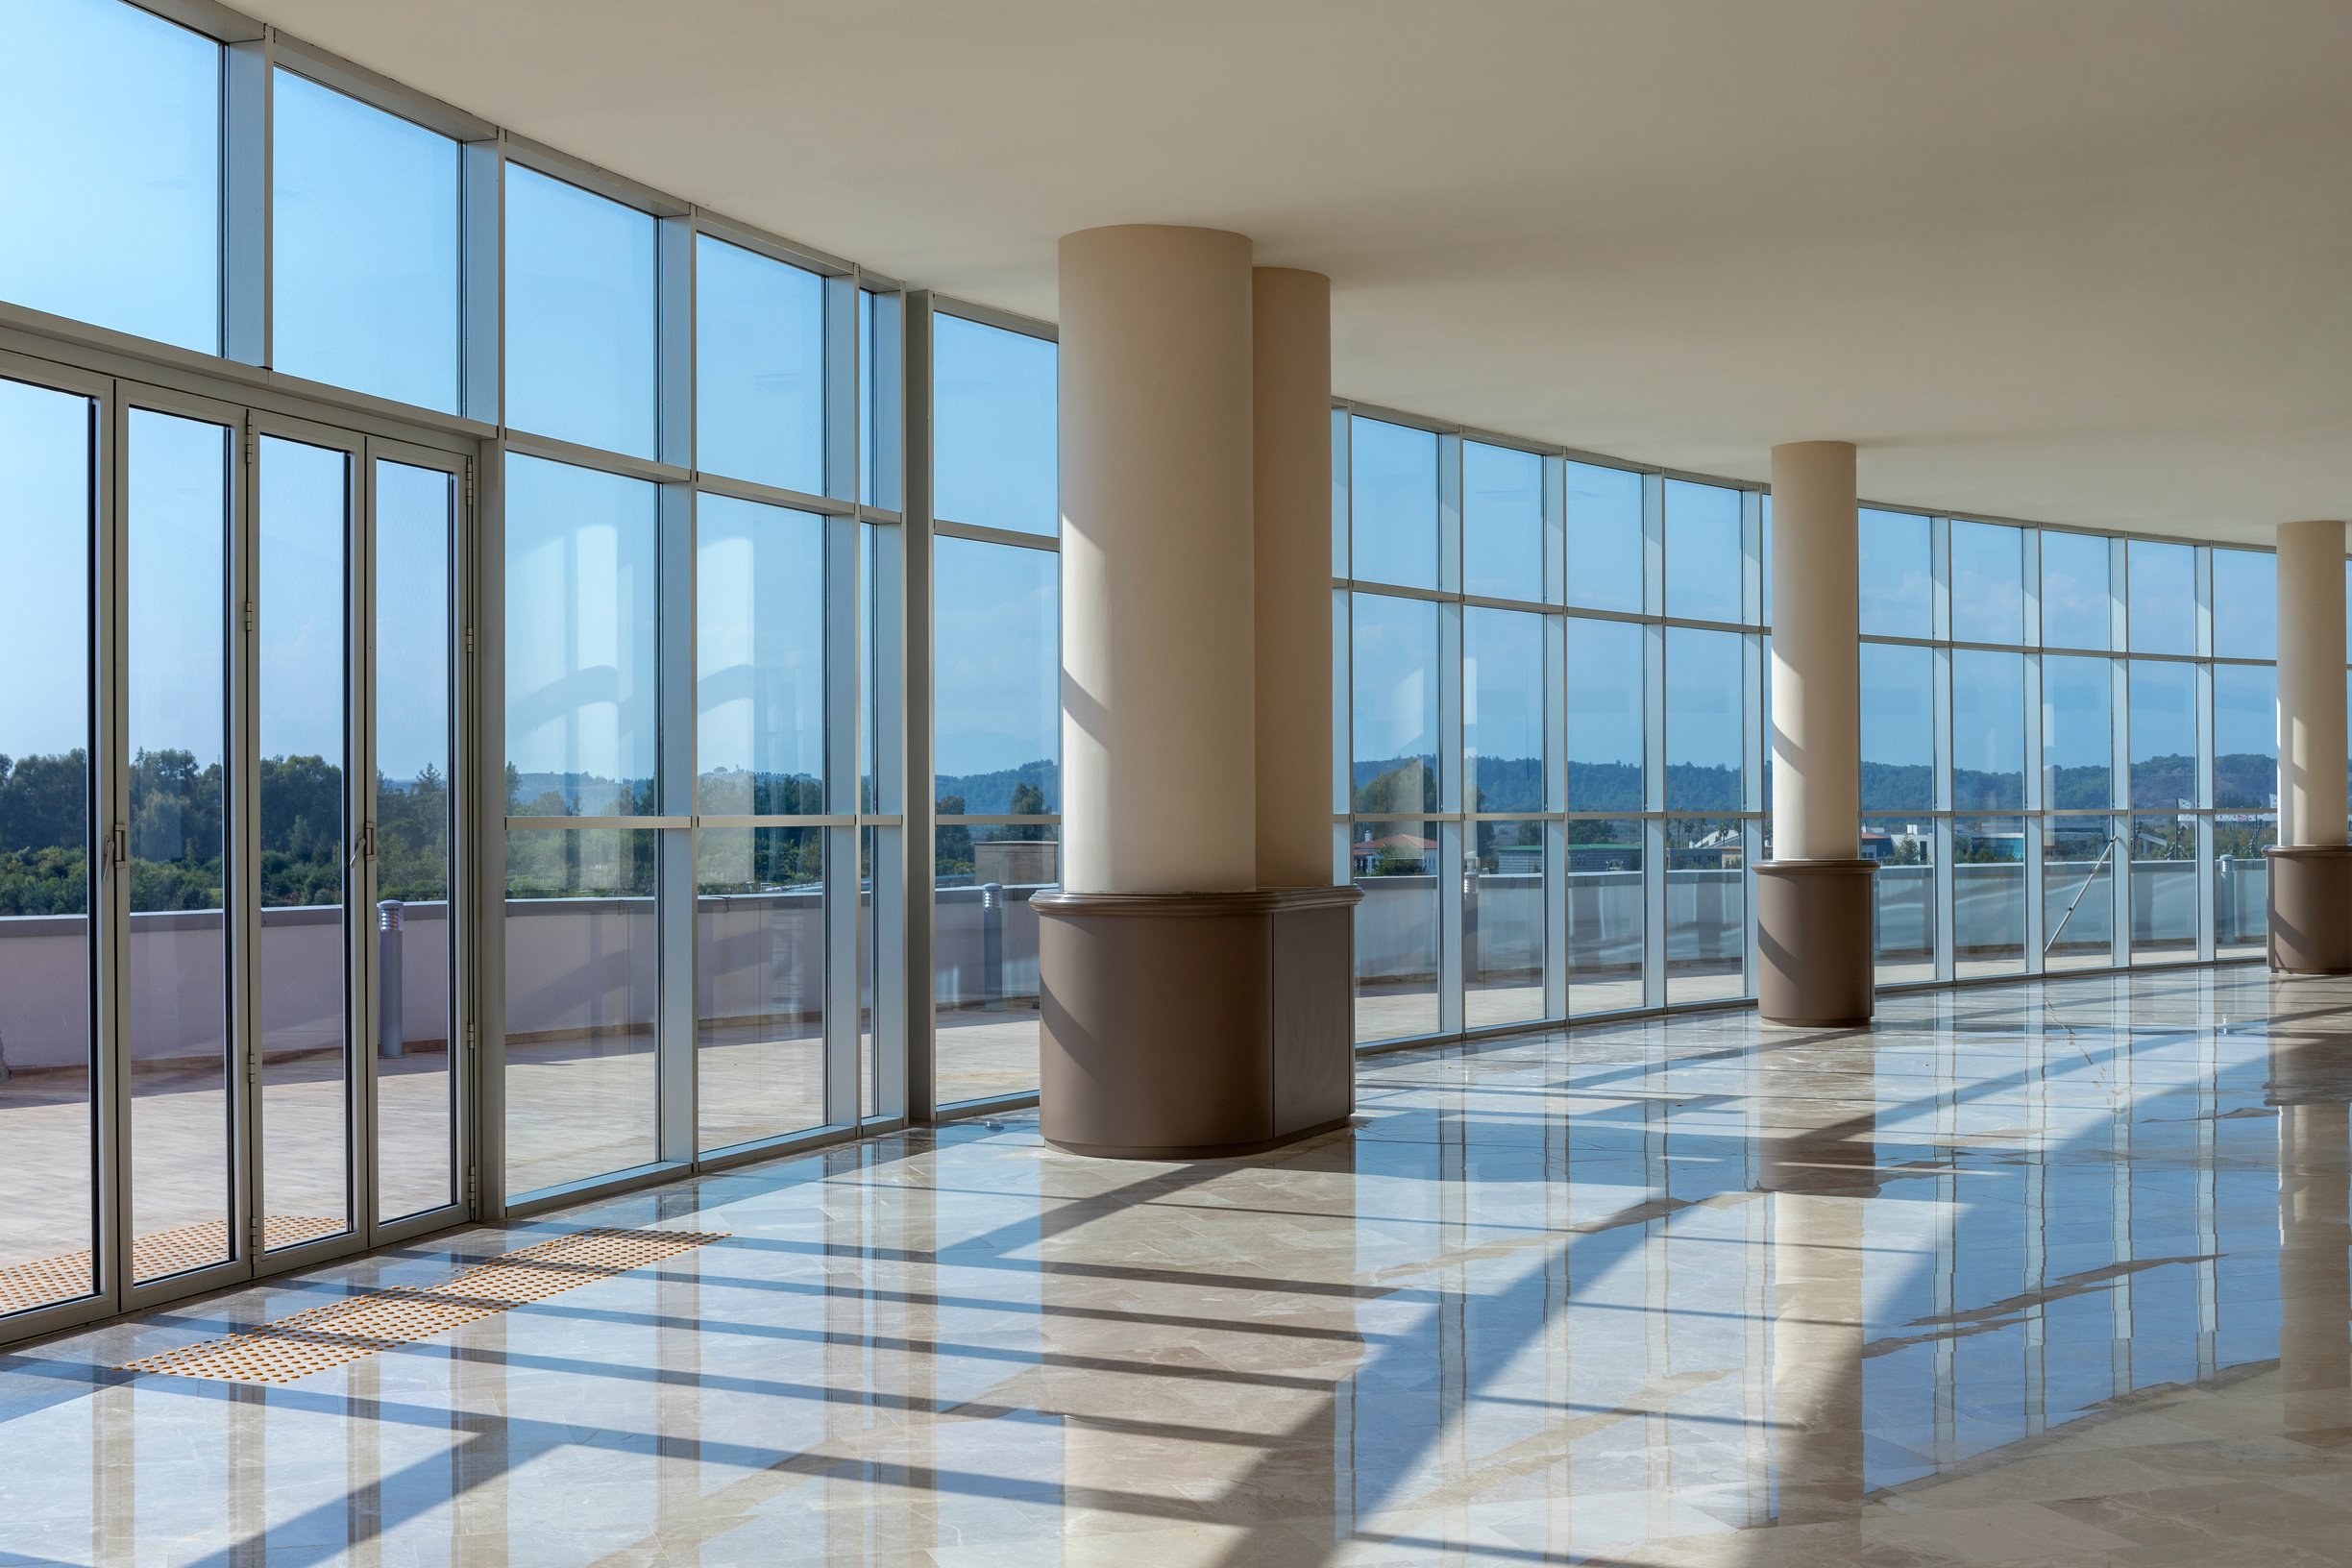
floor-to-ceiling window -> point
(995, 695)
(696, 605)
(2070, 754)
(1549, 785)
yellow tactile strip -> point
(70, 1276)
(319, 1337)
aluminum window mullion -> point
(920, 1087)
(843, 902)
(484, 858)
(677, 851)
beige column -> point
(1184, 1011)
(1291, 414)
(2310, 872)
(1159, 734)
(1813, 897)
(2310, 682)
(1816, 653)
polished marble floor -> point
(2032, 1274)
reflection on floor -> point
(2033, 1274)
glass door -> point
(409, 921)
(231, 1030)
(295, 793)
(183, 1124)
(53, 1141)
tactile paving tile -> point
(68, 1277)
(319, 1337)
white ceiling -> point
(2082, 262)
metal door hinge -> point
(253, 1232)
(472, 1037)
(469, 640)
(253, 450)
(469, 486)
(250, 619)
(473, 1183)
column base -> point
(2310, 908)
(1195, 1025)
(1813, 943)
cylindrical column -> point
(2311, 872)
(1813, 897)
(1291, 413)
(1159, 734)
(2310, 682)
(1816, 653)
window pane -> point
(1503, 718)
(1604, 915)
(996, 660)
(112, 118)
(1987, 895)
(583, 989)
(2075, 611)
(1897, 727)
(1503, 546)
(2163, 888)
(179, 513)
(1703, 718)
(759, 669)
(2163, 724)
(579, 315)
(1905, 918)
(1395, 704)
(2246, 736)
(1396, 865)
(1392, 491)
(1605, 715)
(2244, 604)
(2078, 733)
(759, 982)
(363, 229)
(2078, 892)
(1988, 583)
(2241, 886)
(994, 441)
(2162, 610)
(48, 1153)
(1605, 538)
(1703, 551)
(1988, 730)
(1706, 909)
(582, 660)
(1502, 924)
(759, 368)
(303, 509)
(1895, 576)
(984, 947)
(414, 1086)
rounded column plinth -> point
(2310, 908)
(1194, 1025)
(1813, 941)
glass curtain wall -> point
(1550, 785)
(995, 695)
(701, 842)
(2078, 767)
